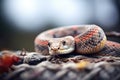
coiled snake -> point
(83, 39)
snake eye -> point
(63, 42)
(48, 44)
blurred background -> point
(22, 20)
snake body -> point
(83, 39)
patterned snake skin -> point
(83, 39)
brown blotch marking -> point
(42, 49)
(114, 44)
(51, 32)
(88, 35)
(41, 42)
(74, 28)
(77, 40)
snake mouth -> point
(61, 51)
(66, 51)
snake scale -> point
(83, 39)
(80, 39)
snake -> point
(82, 39)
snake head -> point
(62, 45)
